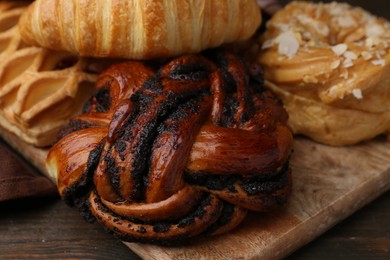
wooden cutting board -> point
(329, 184)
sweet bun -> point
(161, 156)
(138, 29)
(330, 64)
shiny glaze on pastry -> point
(164, 155)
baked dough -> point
(330, 64)
(138, 29)
(185, 150)
(39, 89)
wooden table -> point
(47, 228)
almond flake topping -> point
(380, 53)
(347, 63)
(346, 21)
(332, 90)
(268, 44)
(366, 55)
(339, 49)
(380, 62)
(357, 93)
(372, 42)
(307, 35)
(335, 64)
(288, 44)
(351, 33)
(350, 55)
(360, 43)
(374, 30)
(320, 27)
(336, 9)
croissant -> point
(163, 156)
(330, 64)
(138, 29)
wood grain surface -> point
(330, 183)
(47, 229)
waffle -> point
(39, 88)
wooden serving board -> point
(329, 184)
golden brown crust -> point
(330, 63)
(329, 124)
(39, 89)
(188, 149)
(138, 29)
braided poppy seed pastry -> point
(138, 29)
(162, 156)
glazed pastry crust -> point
(138, 29)
(330, 64)
(195, 143)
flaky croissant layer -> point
(165, 155)
(138, 29)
